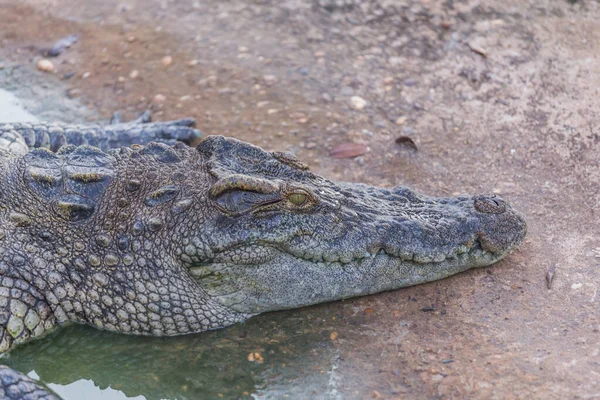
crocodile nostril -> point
(489, 204)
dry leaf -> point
(348, 150)
(405, 140)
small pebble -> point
(270, 79)
(159, 98)
(85, 75)
(311, 145)
(131, 39)
(45, 65)
(167, 60)
(401, 120)
(134, 74)
(320, 54)
(357, 102)
(72, 93)
(333, 335)
(255, 357)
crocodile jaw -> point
(287, 281)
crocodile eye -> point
(297, 199)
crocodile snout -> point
(501, 229)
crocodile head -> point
(275, 235)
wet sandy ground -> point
(498, 96)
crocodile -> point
(127, 228)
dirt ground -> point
(499, 96)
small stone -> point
(401, 120)
(320, 54)
(357, 102)
(311, 145)
(576, 286)
(243, 49)
(121, 79)
(85, 75)
(131, 39)
(333, 335)
(167, 60)
(478, 45)
(134, 74)
(73, 93)
(388, 80)
(159, 98)
(45, 65)
(270, 79)
(193, 62)
(255, 357)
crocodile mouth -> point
(284, 281)
(470, 254)
(473, 249)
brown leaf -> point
(405, 140)
(348, 150)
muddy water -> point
(83, 363)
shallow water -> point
(12, 110)
(82, 362)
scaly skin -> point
(16, 386)
(159, 240)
